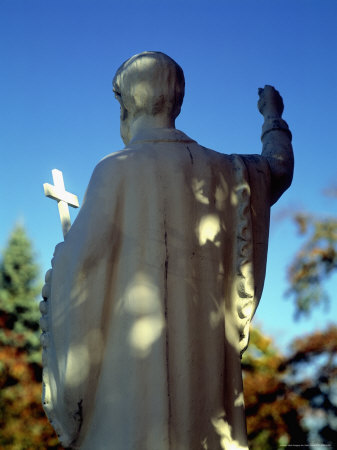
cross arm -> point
(60, 195)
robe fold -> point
(152, 293)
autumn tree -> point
(313, 265)
(315, 262)
(293, 399)
(274, 412)
(312, 371)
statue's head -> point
(149, 85)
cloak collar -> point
(160, 135)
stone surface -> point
(147, 310)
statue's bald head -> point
(150, 83)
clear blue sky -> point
(57, 109)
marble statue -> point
(147, 306)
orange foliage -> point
(23, 423)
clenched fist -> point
(270, 103)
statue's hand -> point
(270, 103)
(47, 286)
(46, 292)
(44, 308)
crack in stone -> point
(79, 414)
(190, 153)
(167, 328)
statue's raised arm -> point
(276, 141)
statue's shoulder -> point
(116, 158)
(114, 161)
(114, 167)
(216, 156)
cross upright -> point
(64, 198)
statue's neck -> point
(147, 123)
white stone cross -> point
(64, 198)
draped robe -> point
(152, 293)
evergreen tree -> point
(23, 424)
(19, 313)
